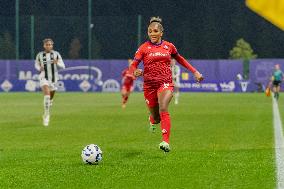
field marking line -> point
(279, 145)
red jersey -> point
(157, 62)
(127, 77)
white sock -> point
(46, 104)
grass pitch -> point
(218, 141)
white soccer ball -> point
(92, 154)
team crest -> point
(166, 47)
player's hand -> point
(198, 76)
(41, 68)
(138, 72)
(55, 61)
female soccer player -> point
(48, 62)
(156, 55)
(276, 80)
(127, 84)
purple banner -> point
(105, 76)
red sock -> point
(151, 119)
(165, 125)
(125, 98)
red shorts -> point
(128, 88)
(151, 94)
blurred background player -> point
(156, 55)
(127, 84)
(176, 79)
(277, 78)
(48, 62)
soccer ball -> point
(92, 154)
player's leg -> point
(278, 91)
(151, 100)
(124, 95)
(164, 99)
(154, 117)
(274, 89)
(46, 104)
(52, 93)
(176, 94)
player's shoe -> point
(152, 128)
(123, 106)
(45, 120)
(164, 146)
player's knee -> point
(163, 108)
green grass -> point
(218, 141)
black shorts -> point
(276, 83)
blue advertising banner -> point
(105, 76)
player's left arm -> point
(59, 61)
(181, 60)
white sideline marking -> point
(279, 145)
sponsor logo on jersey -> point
(159, 54)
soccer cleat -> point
(152, 128)
(165, 146)
(45, 120)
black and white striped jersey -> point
(50, 70)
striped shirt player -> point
(176, 79)
(49, 75)
(176, 74)
(48, 62)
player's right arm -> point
(38, 65)
(136, 61)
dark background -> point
(201, 29)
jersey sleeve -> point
(174, 51)
(60, 63)
(37, 62)
(139, 55)
(137, 59)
